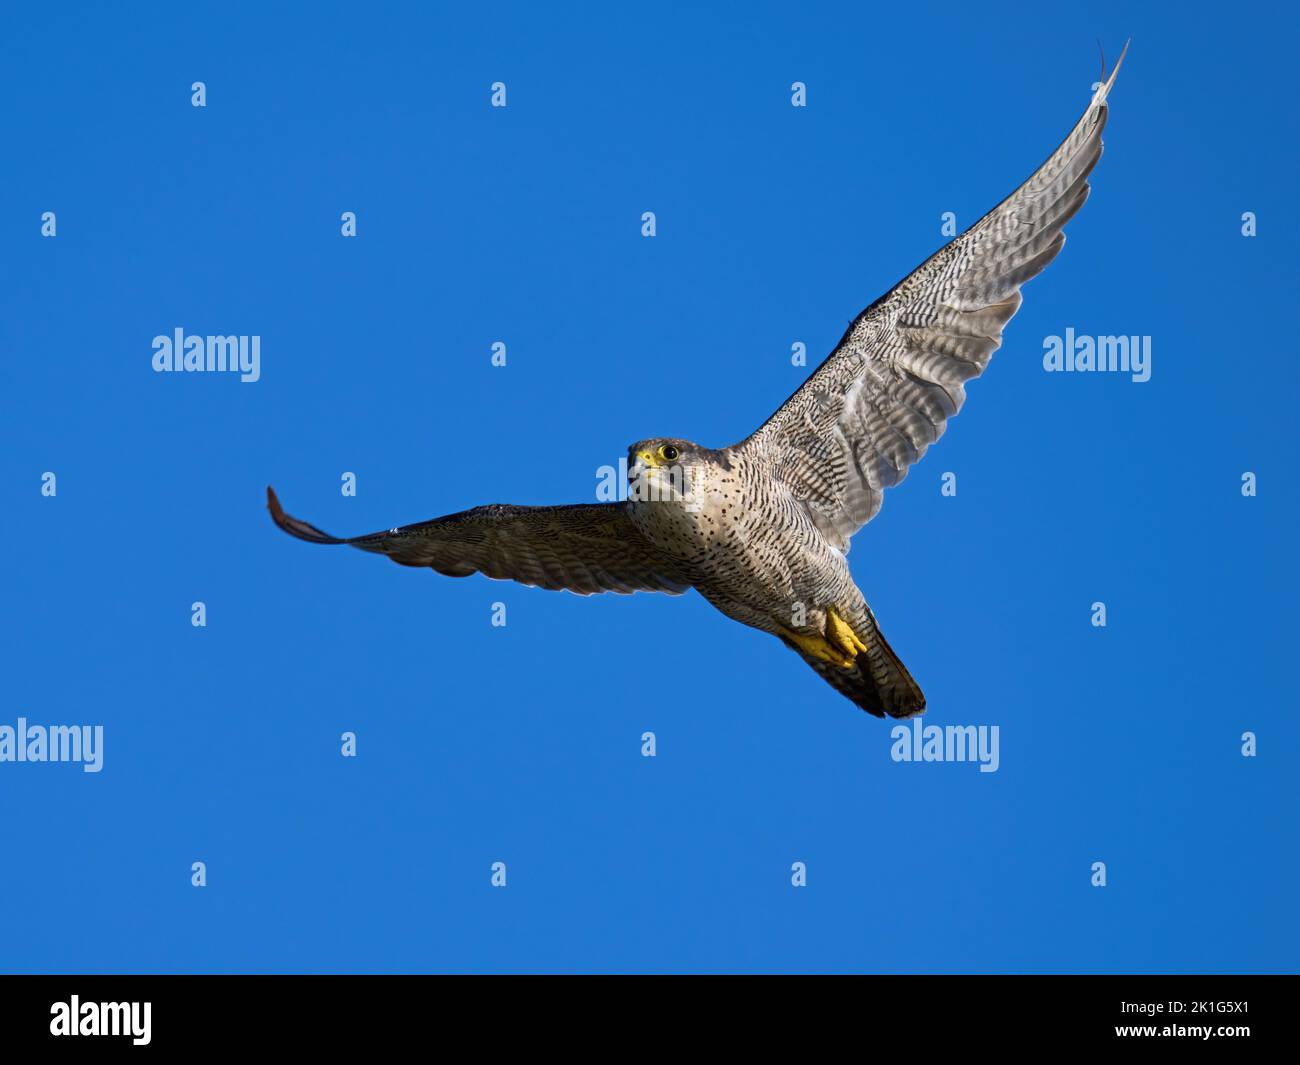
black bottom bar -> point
(338, 1013)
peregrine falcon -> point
(761, 528)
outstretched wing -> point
(886, 392)
(586, 548)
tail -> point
(878, 682)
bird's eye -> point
(669, 453)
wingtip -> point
(1118, 63)
(293, 526)
(1103, 90)
(273, 505)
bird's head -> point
(660, 469)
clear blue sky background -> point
(480, 744)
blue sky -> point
(478, 744)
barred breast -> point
(752, 549)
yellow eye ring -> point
(669, 453)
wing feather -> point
(886, 392)
(584, 548)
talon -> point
(842, 635)
(817, 646)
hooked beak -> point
(645, 464)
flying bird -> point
(761, 528)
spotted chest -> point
(742, 534)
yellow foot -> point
(841, 633)
(839, 646)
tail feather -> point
(878, 682)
